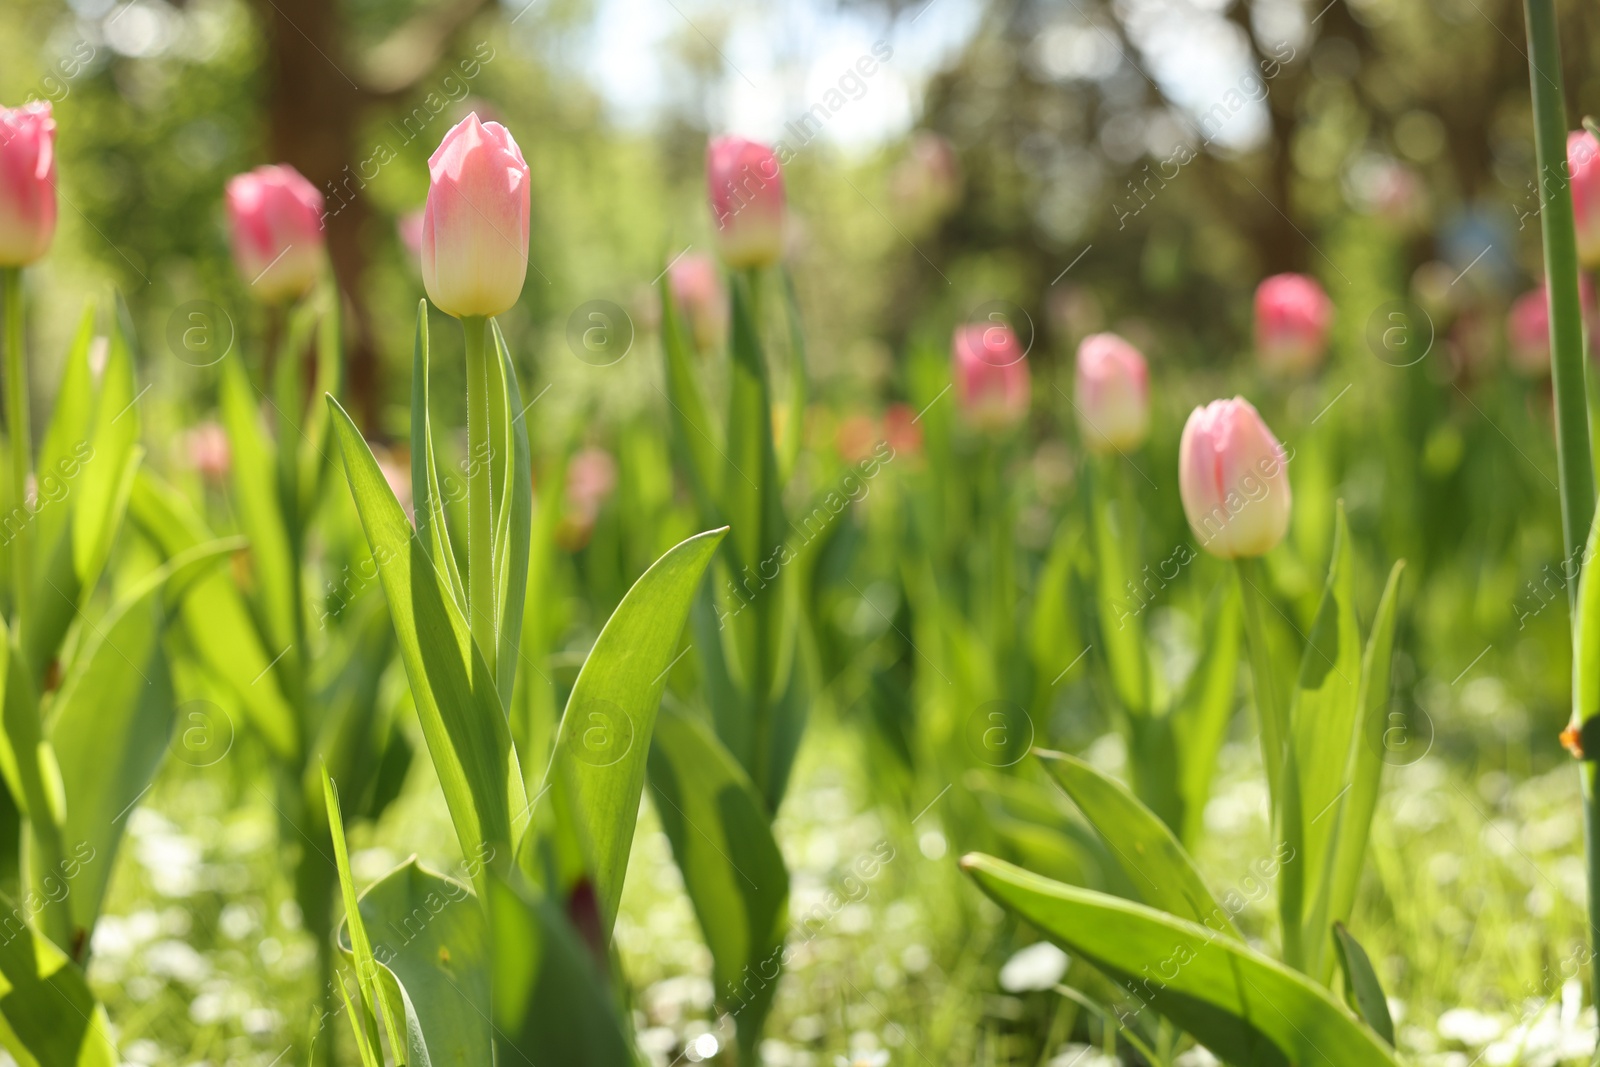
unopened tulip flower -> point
(992, 383)
(697, 289)
(1292, 319)
(275, 221)
(27, 183)
(747, 201)
(1583, 162)
(1528, 328)
(1233, 477)
(1113, 387)
(475, 224)
(209, 452)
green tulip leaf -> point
(1361, 983)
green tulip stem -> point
(21, 449)
(480, 526)
(1271, 711)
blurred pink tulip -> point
(991, 375)
(27, 183)
(1233, 477)
(408, 228)
(1528, 328)
(475, 225)
(747, 201)
(208, 450)
(591, 479)
(275, 216)
(900, 429)
(1113, 387)
(697, 290)
(1583, 162)
(1293, 315)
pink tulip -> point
(1583, 161)
(1113, 387)
(697, 290)
(1233, 476)
(1292, 319)
(746, 189)
(475, 225)
(209, 452)
(408, 228)
(1528, 328)
(27, 183)
(275, 216)
(991, 375)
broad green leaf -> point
(1361, 983)
(694, 434)
(552, 1006)
(1322, 744)
(103, 491)
(1355, 818)
(34, 780)
(48, 1016)
(731, 865)
(597, 771)
(1200, 720)
(1243, 1006)
(457, 706)
(366, 966)
(66, 443)
(430, 940)
(1161, 871)
(426, 499)
(514, 517)
(255, 494)
(1118, 605)
(215, 619)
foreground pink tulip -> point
(1583, 162)
(991, 375)
(746, 189)
(1233, 477)
(27, 183)
(1113, 387)
(1292, 319)
(697, 289)
(1528, 328)
(475, 225)
(275, 216)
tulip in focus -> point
(1113, 387)
(1583, 162)
(991, 375)
(275, 218)
(475, 224)
(746, 190)
(1233, 477)
(1292, 319)
(209, 452)
(1528, 328)
(27, 183)
(697, 290)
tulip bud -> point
(746, 189)
(697, 290)
(1583, 162)
(1528, 328)
(475, 224)
(1292, 319)
(1233, 477)
(275, 216)
(209, 452)
(1113, 387)
(991, 375)
(27, 183)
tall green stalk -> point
(21, 441)
(1566, 360)
(480, 524)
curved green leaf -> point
(1361, 983)
(1243, 1006)
(48, 1016)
